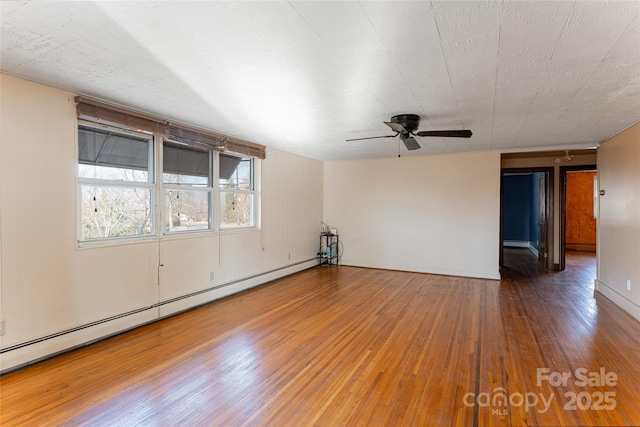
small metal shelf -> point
(328, 249)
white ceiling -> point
(304, 76)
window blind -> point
(246, 148)
(194, 137)
(99, 112)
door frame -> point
(550, 175)
(563, 207)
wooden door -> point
(542, 221)
(580, 221)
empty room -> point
(297, 213)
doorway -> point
(577, 210)
(526, 212)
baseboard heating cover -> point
(151, 312)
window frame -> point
(209, 188)
(96, 115)
(253, 191)
(150, 185)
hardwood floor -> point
(351, 346)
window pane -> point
(186, 210)
(235, 172)
(110, 211)
(183, 165)
(103, 154)
(236, 210)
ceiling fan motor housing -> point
(409, 121)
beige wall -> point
(619, 220)
(49, 285)
(435, 214)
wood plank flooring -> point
(357, 347)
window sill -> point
(102, 243)
(116, 241)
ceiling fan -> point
(405, 125)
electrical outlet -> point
(3, 327)
(629, 285)
(289, 256)
(211, 276)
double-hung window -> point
(116, 180)
(187, 181)
(236, 180)
(202, 181)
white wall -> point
(435, 214)
(619, 220)
(48, 285)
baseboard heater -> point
(150, 307)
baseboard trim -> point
(618, 299)
(516, 243)
(581, 247)
(29, 352)
(488, 275)
(177, 305)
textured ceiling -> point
(305, 76)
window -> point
(115, 177)
(203, 181)
(187, 186)
(236, 179)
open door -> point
(542, 221)
(563, 209)
(540, 228)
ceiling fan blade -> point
(411, 143)
(447, 133)
(371, 137)
(397, 127)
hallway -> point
(521, 262)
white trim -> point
(254, 192)
(477, 274)
(114, 183)
(179, 305)
(150, 184)
(516, 243)
(68, 340)
(164, 187)
(158, 190)
(618, 299)
(115, 241)
(520, 244)
(186, 189)
(51, 347)
(588, 146)
(80, 242)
